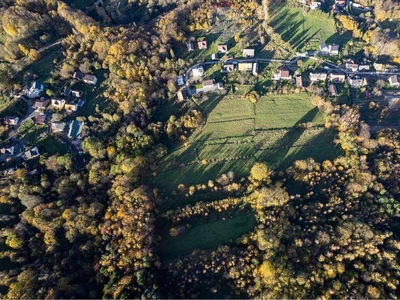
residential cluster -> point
(42, 110)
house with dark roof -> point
(67, 91)
(182, 94)
(190, 47)
(202, 45)
(89, 79)
(78, 75)
(394, 81)
(30, 154)
(75, 129)
(9, 150)
(40, 119)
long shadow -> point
(281, 148)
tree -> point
(259, 171)
(34, 55)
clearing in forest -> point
(238, 133)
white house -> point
(35, 90)
(318, 76)
(198, 71)
(394, 81)
(327, 49)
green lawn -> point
(238, 133)
(48, 145)
(15, 108)
(207, 235)
(299, 29)
(29, 132)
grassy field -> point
(49, 146)
(239, 133)
(207, 235)
(15, 108)
(299, 29)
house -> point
(208, 83)
(78, 75)
(228, 68)
(40, 104)
(315, 5)
(71, 107)
(284, 74)
(67, 91)
(58, 103)
(327, 49)
(255, 69)
(12, 121)
(248, 52)
(75, 129)
(89, 79)
(379, 66)
(394, 81)
(183, 94)
(222, 48)
(179, 80)
(318, 76)
(245, 66)
(332, 90)
(190, 47)
(340, 2)
(202, 45)
(214, 56)
(337, 77)
(40, 119)
(57, 126)
(81, 102)
(220, 85)
(76, 93)
(364, 67)
(299, 81)
(30, 154)
(198, 71)
(35, 90)
(352, 67)
(358, 82)
(7, 150)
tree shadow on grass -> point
(277, 153)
